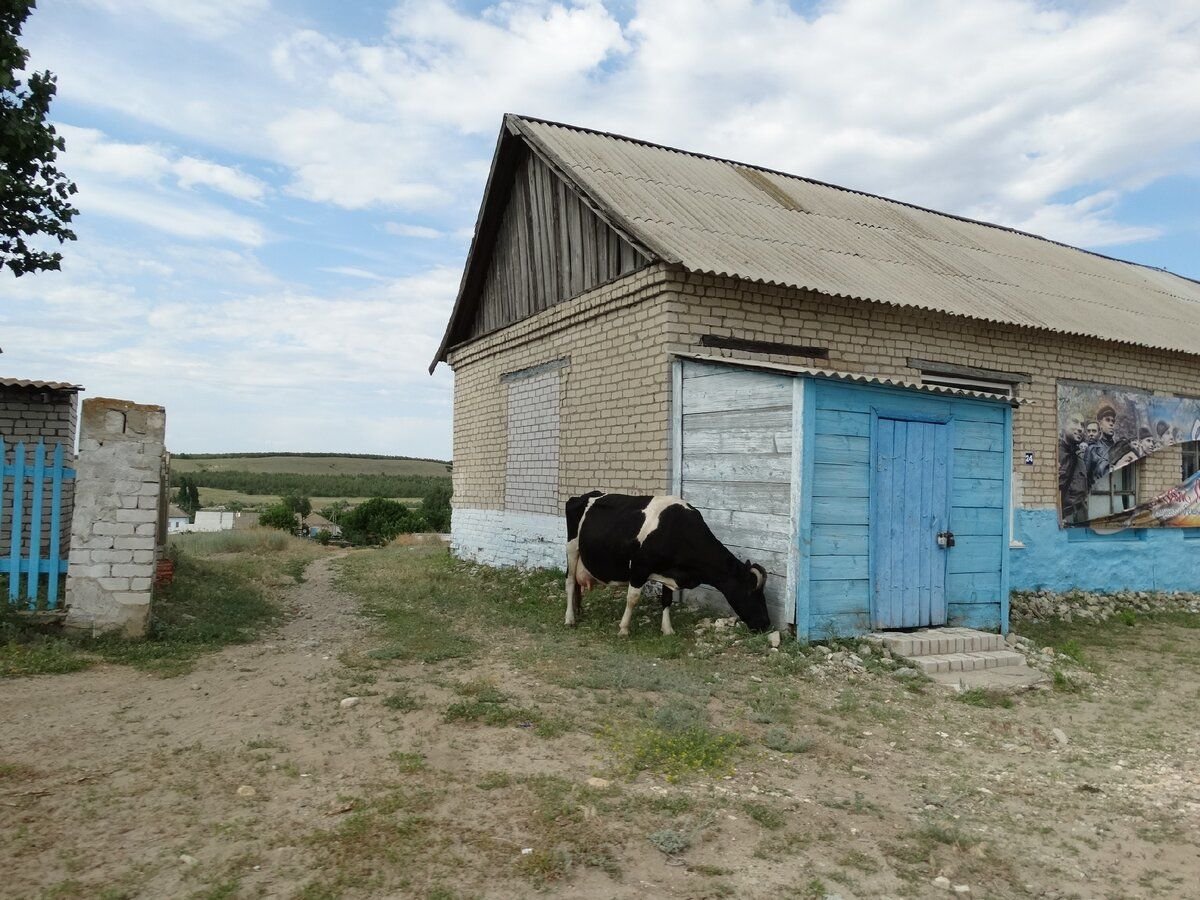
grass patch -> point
(221, 595)
(675, 754)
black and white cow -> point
(619, 538)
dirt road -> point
(250, 777)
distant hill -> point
(309, 464)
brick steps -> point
(967, 662)
(935, 641)
(958, 656)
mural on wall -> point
(1102, 429)
(1177, 508)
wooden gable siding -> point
(736, 465)
(549, 247)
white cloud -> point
(193, 219)
(423, 232)
(210, 18)
(191, 171)
(1089, 222)
(352, 272)
(353, 164)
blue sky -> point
(277, 197)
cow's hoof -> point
(624, 633)
(570, 624)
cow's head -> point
(750, 603)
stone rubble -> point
(1094, 606)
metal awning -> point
(854, 378)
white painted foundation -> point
(497, 537)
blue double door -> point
(910, 509)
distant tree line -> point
(443, 462)
(285, 483)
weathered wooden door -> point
(910, 505)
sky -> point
(277, 196)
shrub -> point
(435, 508)
(378, 521)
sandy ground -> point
(120, 784)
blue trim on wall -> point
(804, 562)
(1160, 559)
(1006, 551)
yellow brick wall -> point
(615, 392)
(878, 340)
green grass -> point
(675, 755)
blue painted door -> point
(910, 505)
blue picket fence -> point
(24, 562)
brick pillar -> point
(114, 528)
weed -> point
(1066, 683)
(767, 816)
(407, 762)
(670, 842)
(782, 741)
(987, 697)
(856, 859)
(401, 701)
(494, 780)
(1127, 617)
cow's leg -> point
(572, 584)
(631, 599)
(667, 597)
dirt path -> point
(124, 773)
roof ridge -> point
(838, 187)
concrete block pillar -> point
(119, 484)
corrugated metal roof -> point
(720, 217)
(855, 378)
(39, 385)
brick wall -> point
(29, 415)
(878, 340)
(613, 344)
(614, 383)
(115, 528)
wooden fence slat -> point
(35, 564)
(56, 480)
(18, 521)
(3, 472)
(35, 524)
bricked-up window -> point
(1115, 492)
(531, 467)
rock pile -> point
(1040, 605)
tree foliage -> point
(187, 497)
(435, 508)
(283, 483)
(378, 521)
(278, 516)
(35, 197)
(301, 506)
